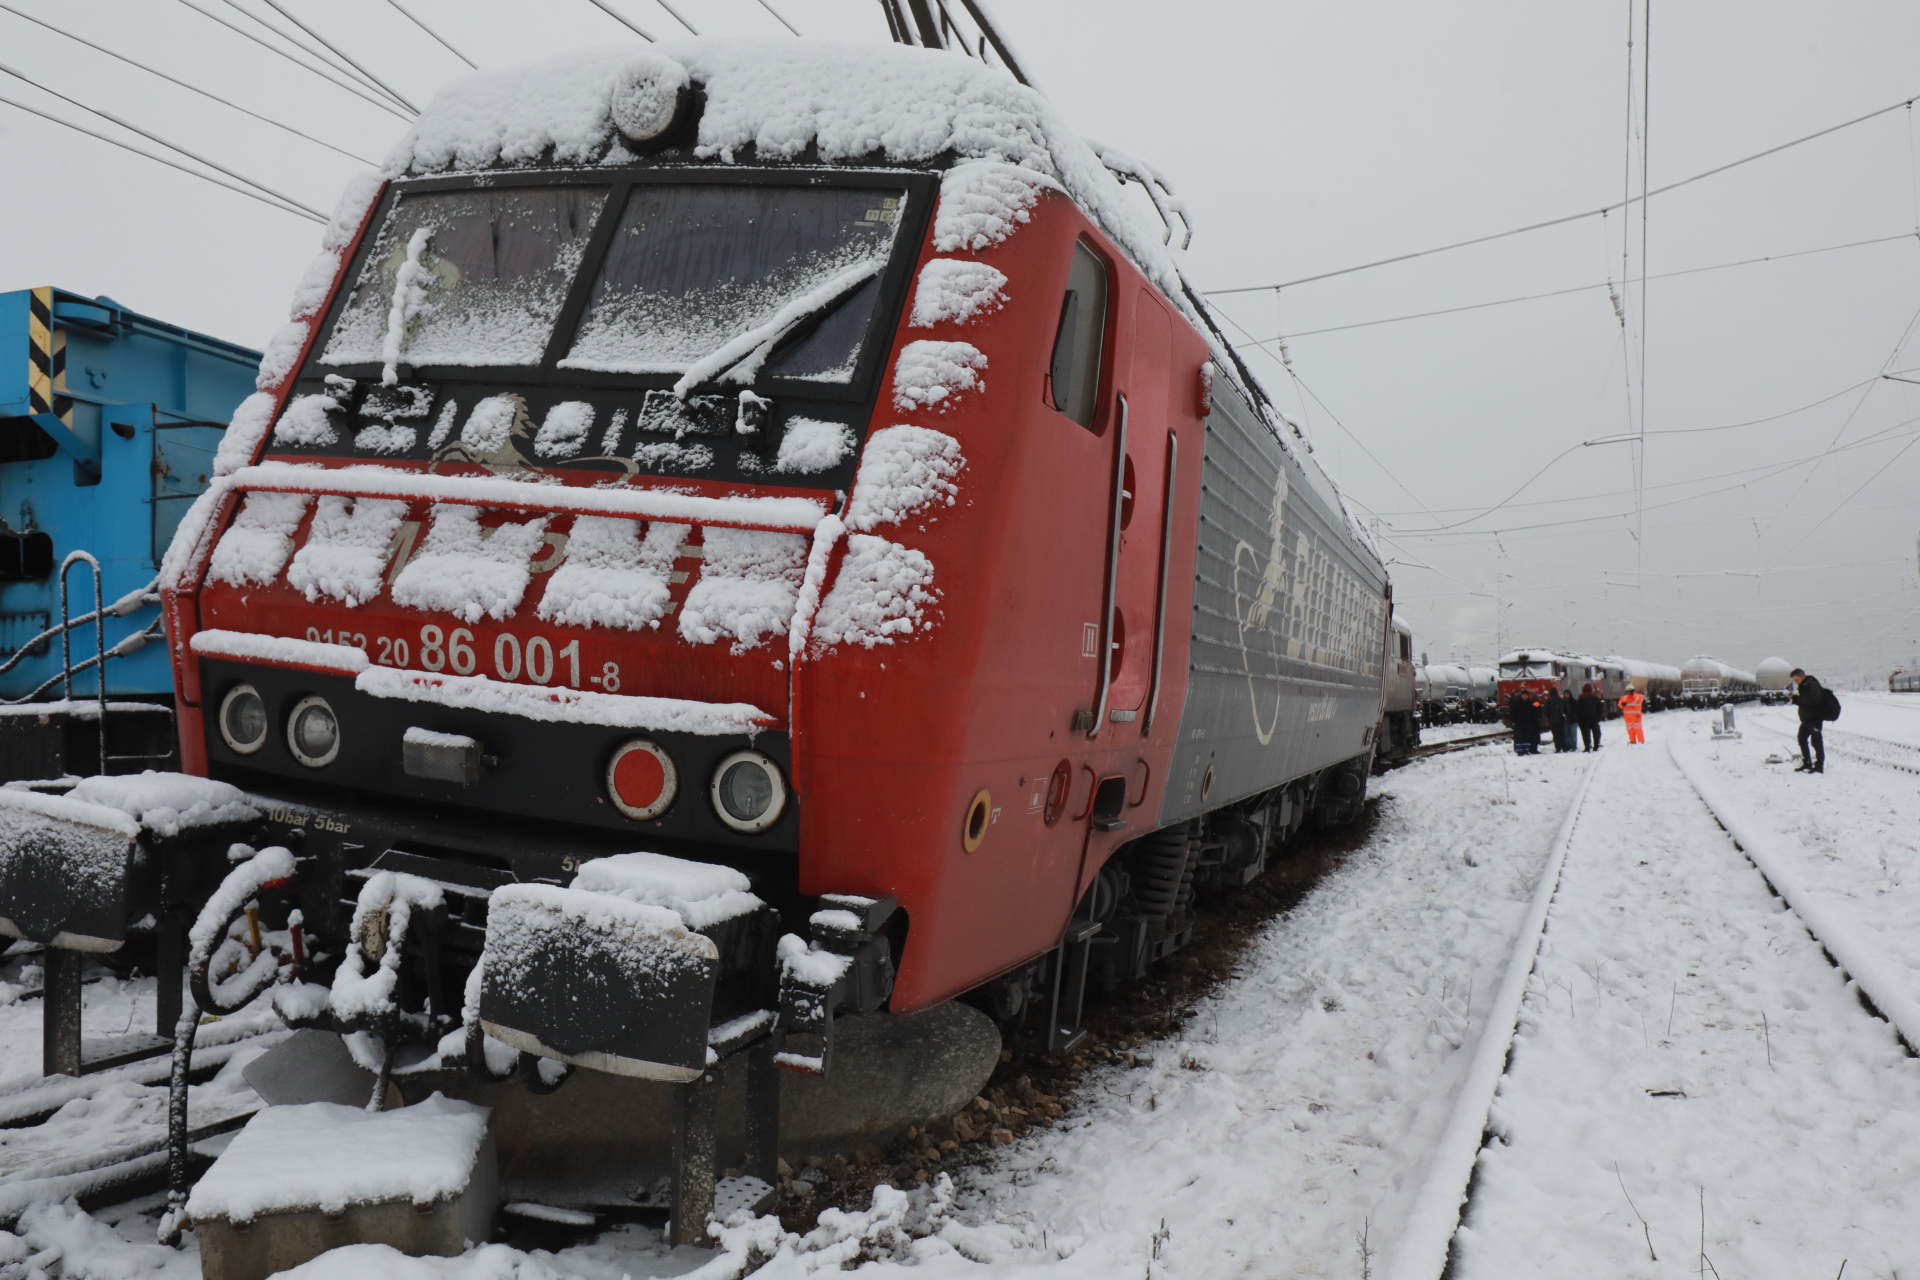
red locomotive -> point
(800, 462)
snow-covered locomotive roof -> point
(783, 102)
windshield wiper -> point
(745, 354)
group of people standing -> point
(1562, 714)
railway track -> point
(1445, 748)
(1425, 1250)
(1863, 747)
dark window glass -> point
(785, 279)
(467, 277)
(1083, 329)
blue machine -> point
(108, 425)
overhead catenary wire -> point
(337, 52)
(331, 61)
(171, 146)
(1571, 217)
(628, 23)
(446, 44)
(328, 76)
(171, 164)
(677, 16)
(191, 88)
(789, 26)
(1583, 288)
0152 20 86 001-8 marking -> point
(536, 659)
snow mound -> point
(882, 591)
(982, 204)
(929, 374)
(702, 893)
(811, 446)
(165, 804)
(346, 1156)
(468, 571)
(346, 549)
(283, 650)
(952, 290)
(255, 547)
(747, 589)
(903, 470)
(306, 422)
(612, 577)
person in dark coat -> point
(1588, 711)
(1525, 711)
(1555, 710)
(1812, 697)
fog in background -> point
(1305, 138)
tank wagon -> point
(1400, 699)
(1657, 683)
(862, 523)
(1483, 692)
(109, 423)
(1776, 686)
(1708, 682)
(1904, 682)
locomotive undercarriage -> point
(1139, 908)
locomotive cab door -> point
(1143, 451)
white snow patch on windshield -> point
(467, 571)
(882, 591)
(255, 547)
(346, 549)
(613, 577)
(954, 290)
(747, 588)
(810, 446)
(564, 432)
(903, 470)
(679, 457)
(929, 374)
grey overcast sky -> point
(1305, 138)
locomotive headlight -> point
(243, 719)
(748, 793)
(313, 733)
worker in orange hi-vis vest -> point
(1630, 708)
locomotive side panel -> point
(1284, 674)
(995, 695)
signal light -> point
(641, 779)
(748, 793)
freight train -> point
(802, 463)
(1709, 682)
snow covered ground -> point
(1288, 1132)
(1689, 1059)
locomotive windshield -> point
(692, 269)
(1526, 670)
(467, 277)
(731, 281)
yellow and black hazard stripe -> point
(47, 360)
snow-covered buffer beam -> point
(565, 706)
(798, 515)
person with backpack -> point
(1587, 711)
(1817, 706)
